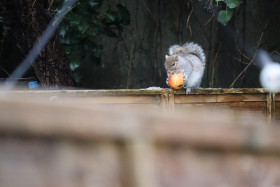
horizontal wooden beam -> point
(255, 99)
(209, 128)
(152, 91)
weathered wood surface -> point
(254, 99)
(152, 91)
(62, 144)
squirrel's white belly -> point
(194, 80)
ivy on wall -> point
(88, 20)
(223, 8)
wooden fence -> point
(65, 139)
(252, 99)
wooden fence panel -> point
(45, 143)
(253, 99)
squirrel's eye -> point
(173, 64)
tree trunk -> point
(28, 19)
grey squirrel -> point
(188, 59)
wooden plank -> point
(277, 105)
(77, 140)
(83, 93)
(222, 91)
(164, 101)
(254, 106)
(29, 162)
(143, 99)
(195, 98)
(277, 110)
(269, 108)
(191, 167)
(219, 98)
(277, 97)
(203, 91)
(123, 107)
(171, 102)
(141, 161)
(146, 96)
(226, 129)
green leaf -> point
(83, 27)
(224, 16)
(109, 18)
(233, 3)
(220, 1)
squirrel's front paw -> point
(167, 81)
(188, 91)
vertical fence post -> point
(142, 165)
(171, 102)
(164, 101)
(270, 106)
(273, 105)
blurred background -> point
(138, 137)
(111, 44)
(90, 139)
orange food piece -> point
(176, 81)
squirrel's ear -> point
(166, 56)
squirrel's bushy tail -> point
(174, 49)
(188, 48)
(197, 50)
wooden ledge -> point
(144, 91)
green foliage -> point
(232, 3)
(224, 16)
(223, 8)
(78, 32)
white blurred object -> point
(270, 73)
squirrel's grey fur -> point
(188, 59)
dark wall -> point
(136, 60)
